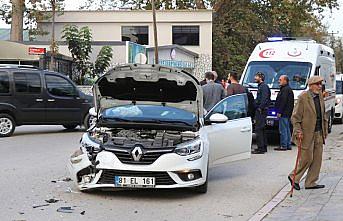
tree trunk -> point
(17, 20)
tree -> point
(79, 44)
(17, 16)
(24, 14)
(102, 61)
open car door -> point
(231, 140)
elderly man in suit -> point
(310, 125)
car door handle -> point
(245, 129)
(51, 100)
(39, 100)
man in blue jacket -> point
(262, 104)
(284, 106)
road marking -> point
(266, 209)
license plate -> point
(270, 122)
(128, 181)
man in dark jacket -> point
(212, 92)
(284, 106)
(262, 104)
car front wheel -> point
(7, 125)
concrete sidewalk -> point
(322, 204)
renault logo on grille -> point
(137, 153)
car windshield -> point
(297, 72)
(150, 113)
(339, 87)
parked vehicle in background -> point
(299, 59)
(339, 98)
(151, 132)
(29, 96)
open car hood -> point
(150, 85)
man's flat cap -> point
(315, 79)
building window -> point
(137, 34)
(186, 35)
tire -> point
(202, 188)
(70, 126)
(7, 125)
(88, 121)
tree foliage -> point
(238, 25)
(34, 10)
(79, 44)
(103, 60)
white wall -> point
(106, 25)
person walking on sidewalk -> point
(284, 107)
(262, 104)
(212, 92)
(311, 126)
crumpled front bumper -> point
(165, 170)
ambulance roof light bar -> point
(273, 39)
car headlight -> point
(338, 100)
(90, 143)
(189, 148)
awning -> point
(13, 51)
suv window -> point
(4, 83)
(59, 86)
(27, 82)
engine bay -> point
(146, 138)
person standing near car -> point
(212, 92)
(310, 125)
(234, 87)
(262, 104)
(284, 107)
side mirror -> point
(92, 112)
(218, 118)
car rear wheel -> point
(7, 125)
(70, 126)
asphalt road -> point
(37, 155)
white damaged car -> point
(151, 132)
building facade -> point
(191, 30)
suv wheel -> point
(70, 126)
(7, 125)
(89, 121)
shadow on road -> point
(41, 131)
(149, 194)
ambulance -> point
(297, 58)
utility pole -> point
(52, 66)
(155, 31)
(332, 38)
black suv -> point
(29, 96)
